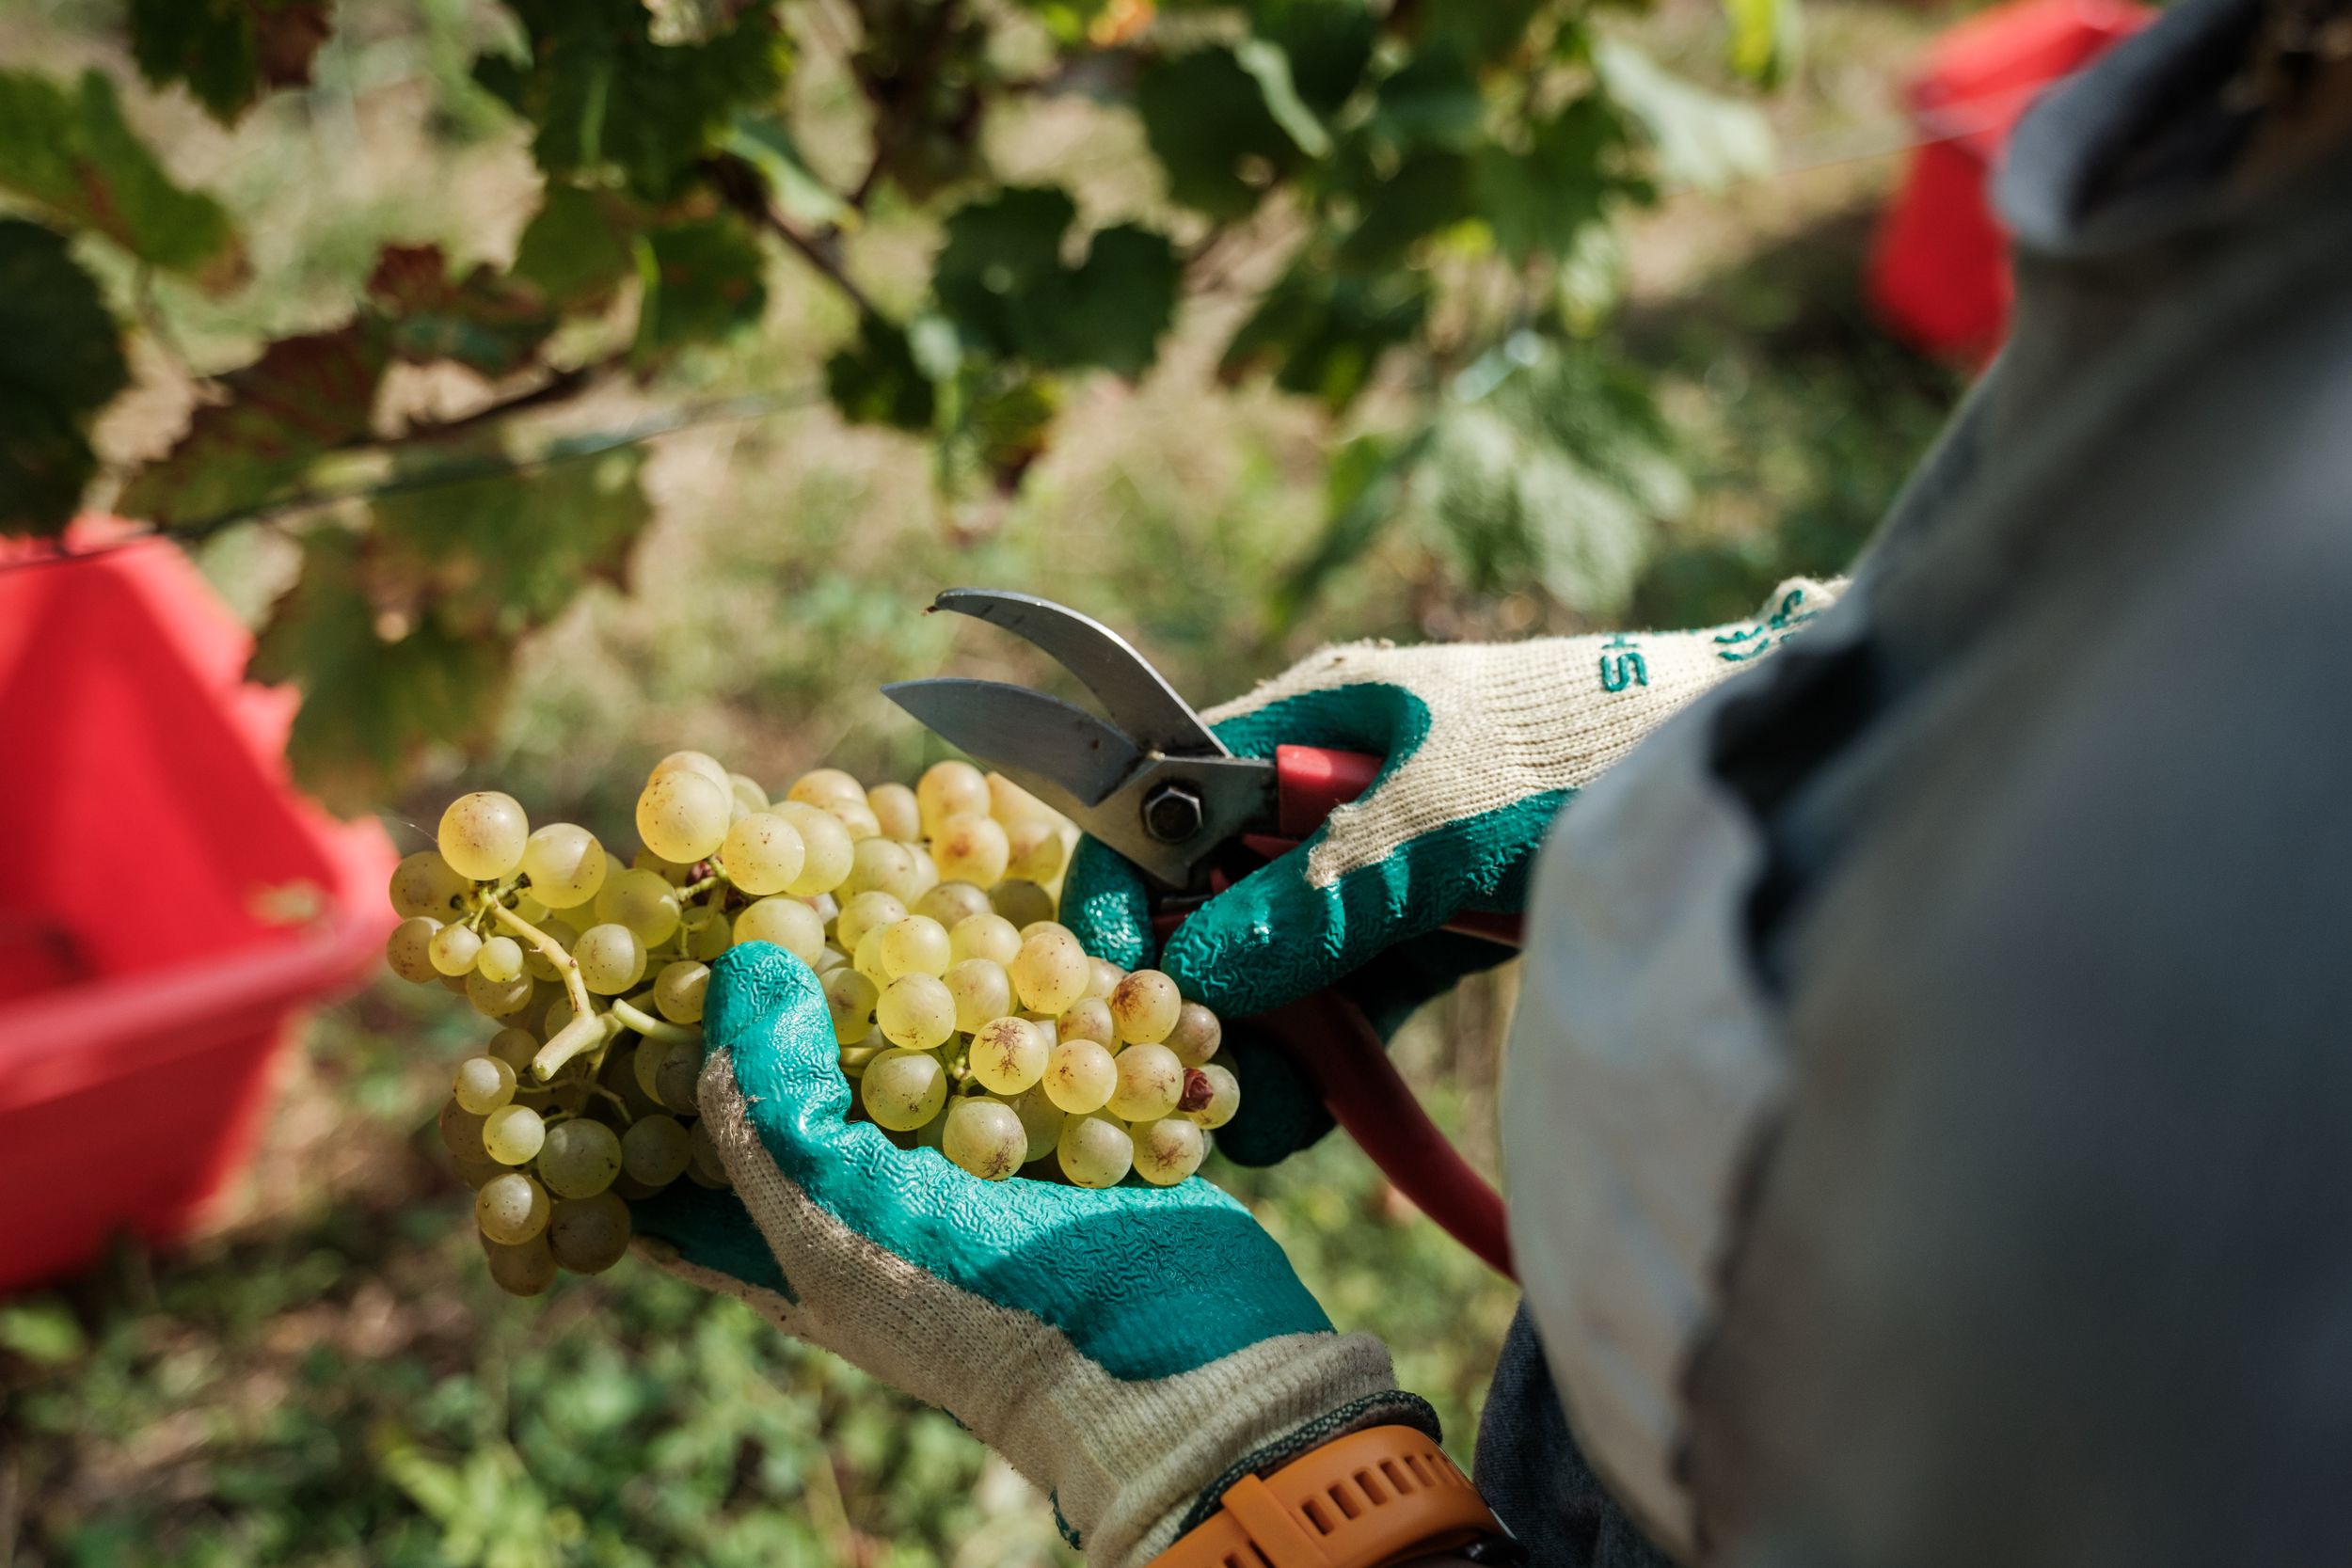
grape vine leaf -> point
(70, 152)
(1429, 190)
(228, 52)
(600, 91)
(767, 143)
(876, 379)
(60, 361)
(1485, 32)
(576, 247)
(1698, 139)
(1329, 45)
(1001, 279)
(486, 321)
(1767, 37)
(1206, 119)
(705, 282)
(304, 396)
(1538, 200)
(377, 688)
(1432, 100)
(1322, 333)
(499, 554)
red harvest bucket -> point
(166, 903)
(1939, 272)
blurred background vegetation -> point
(1645, 415)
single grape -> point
(513, 1134)
(1196, 1035)
(553, 1021)
(1080, 1075)
(1040, 1119)
(895, 811)
(515, 1047)
(483, 1084)
(1035, 852)
(864, 913)
(916, 1011)
(702, 763)
(1050, 971)
(611, 957)
(1145, 1006)
(902, 1089)
(1007, 1054)
(785, 921)
(461, 1131)
(1088, 1019)
(565, 864)
(822, 786)
(858, 818)
(511, 1209)
(1168, 1149)
(1151, 1081)
(521, 1271)
(1023, 903)
(499, 998)
(1094, 1151)
(952, 903)
(748, 792)
(850, 997)
(579, 1158)
(423, 884)
(949, 789)
(483, 834)
(703, 1163)
(1103, 978)
(982, 990)
(641, 900)
(408, 951)
(709, 941)
(501, 958)
(1046, 924)
(763, 853)
(915, 945)
(867, 959)
(455, 948)
(683, 816)
(677, 991)
(654, 1150)
(588, 1235)
(826, 848)
(1211, 1095)
(989, 936)
(972, 847)
(676, 1073)
(1010, 803)
(883, 865)
(985, 1137)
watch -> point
(1373, 1497)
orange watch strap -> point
(1358, 1501)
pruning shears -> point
(1153, 782)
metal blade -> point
(1027, 735)
(1139, 701)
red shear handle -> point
(1311, 783)
(1331, 1041)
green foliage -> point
(59, 364)
(1369, 197)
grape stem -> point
(651, 1027)
(587, 1028)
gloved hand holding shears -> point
(1371, 802)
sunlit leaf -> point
(1322, 334)
(1538, 200)
(303, 397)
(60, 361)
(487, 321)
(228, 52)
(1767, 37)
(376, 691)
(69, 151)
(767, 143)
(576, 248)
(1700, 138)
(706, 281)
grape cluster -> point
(968, 1020)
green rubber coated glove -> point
(1484, 744)
(1130, 1350)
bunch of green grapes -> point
(969, 1020)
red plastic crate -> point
(154, 938)
(1939, 272)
